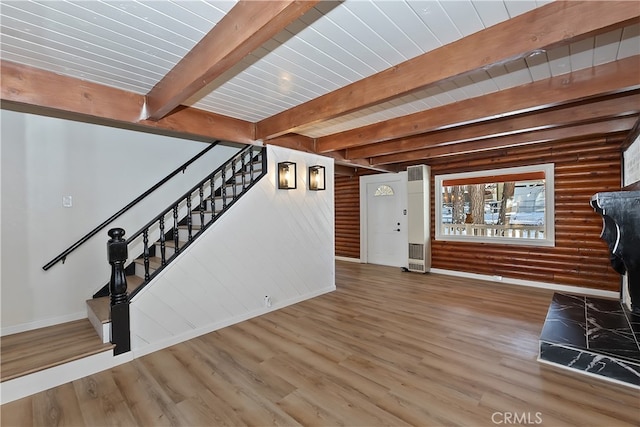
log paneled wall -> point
(580, 257)
(347, 216)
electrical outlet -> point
(67, 201)
(267, 301)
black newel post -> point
(117, 255)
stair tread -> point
(171, 243)
(32, 351)
(133, 282)
(154, 262)
(101, 307)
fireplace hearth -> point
(593, 336)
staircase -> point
(157, 244)
(190, 215)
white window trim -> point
(549, 220)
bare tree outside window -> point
(507, 194)
(477, 202)
(457, 197)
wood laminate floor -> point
(386, 348)
(32, 351)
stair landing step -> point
(32, 351)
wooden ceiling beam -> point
(306, 144)
(34, 87)
(188, 120)
(618, 124)
(549, 26)
(294, 141)
(633, 135)
(342, 170)
(246, 27)
(603, 79)
(339, 159)
(522, 155)
(620, 104)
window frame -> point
(549, 214)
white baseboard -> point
(147, 348)
(23, 327)
(43, 380)
(521, 282)
(344, 258)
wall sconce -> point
(316, 178)
(286, 175)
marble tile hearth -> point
(596, 336)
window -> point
(383, 190)
(513, 206)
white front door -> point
(384, 239)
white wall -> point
(631, 163)
(272, 242)
(103, 169)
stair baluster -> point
(212, 197)
(163, 244)
(189, 219)
(233, 176)
(145, 253)
(244, 171)
(203, 205)
(251, 167)
(223, 187)
(175, 228)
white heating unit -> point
(418, 217)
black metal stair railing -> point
(191, 214)
(212, 197)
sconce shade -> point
(316, 178)
(286, 175)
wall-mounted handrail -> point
(62, 257)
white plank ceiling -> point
(131, 45)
